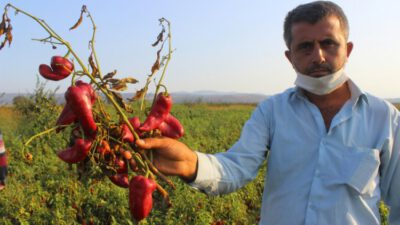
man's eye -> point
(306, 46)
(328, 43)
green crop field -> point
(44, 190)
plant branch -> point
(168, 58)
(92, 44)
(43, 133)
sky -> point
(224, 45)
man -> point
(3, 163)
(333, 149)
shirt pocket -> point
(364, 164)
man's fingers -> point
(152, 143)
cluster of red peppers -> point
(97, 140)
(161, 119)
(87, 137)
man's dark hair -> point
(312, 13)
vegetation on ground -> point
(41, 189)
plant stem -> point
(158, 173)
(164, 69)
(43, 133)
(92, 44)
(167, 62)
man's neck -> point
(338, 96)
(330, 104)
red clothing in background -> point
(3, 161)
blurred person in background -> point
(3, 163)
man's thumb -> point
(143, 144)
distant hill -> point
(217, 97)
(178, 97)
(185, 97)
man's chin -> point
(318, 74)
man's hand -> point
(171, 157)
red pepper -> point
(140, 196)
(121, 166)
(171, 127)
(67, 115)
(133, 164)
(120, 179)
(80, 99)
(158, 112)
(77, 152)
(60, 68)
(135, 122)
(61, 65)
(103, 149)
(78, 107)
(127, 135)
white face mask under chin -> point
(321, 85)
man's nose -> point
(318, 54)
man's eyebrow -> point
(304, 44)
(328, 40)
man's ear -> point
(287, 54)
(349, 48)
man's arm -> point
(216, 173)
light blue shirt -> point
(314, 176)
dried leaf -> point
(156, 65)
(2, 44)
(120, 101)
(118, 97)
(80, 18)
(128, 108)
(160, 38)
(120, 86)
(2, 27)
(113, 80)
(77, 23)
(139, 94)
(95, 71)
(9, 36)
(130, 80)
(110, 75)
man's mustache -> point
(319, 67)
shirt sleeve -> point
(228, 171)
(390, 173)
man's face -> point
(319, 49)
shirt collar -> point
(356, 93)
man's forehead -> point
(328, 27)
